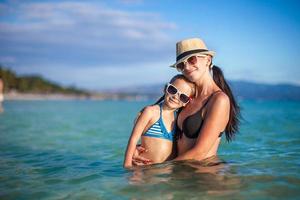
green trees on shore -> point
(34, 84)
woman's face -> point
(173, 100)
(195, 71)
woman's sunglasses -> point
(192, 60)
(172, 90)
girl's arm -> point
(215, 122)
(136, 133)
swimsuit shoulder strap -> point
(210, 97)
(160, 109)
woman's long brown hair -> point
(234, 116)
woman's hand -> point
(138, 160)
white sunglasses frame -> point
(178, 93)
(184, 61)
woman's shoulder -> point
(220, 100)
(221, 96)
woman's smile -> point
(189, 72)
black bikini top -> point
(191, 125)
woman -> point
(212, 112)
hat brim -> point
(211, 53)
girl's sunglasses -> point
(172, 90)
(192, 60)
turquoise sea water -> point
(74, 150)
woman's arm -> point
(136, 133)
(215, 122)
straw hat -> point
(188, 47)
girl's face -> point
(182, 91)
(194, 71)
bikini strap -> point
(160, 108)
(161, 119)
(211, 97)
(215, 92)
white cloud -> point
(85, 32)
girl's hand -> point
(138, 160)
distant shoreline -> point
(36, 96)
(57, 96)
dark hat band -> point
(190, 52)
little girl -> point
(156, 123)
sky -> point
(100, 45)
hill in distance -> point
(34, 84)
(241, 89)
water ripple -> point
(75, 149)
